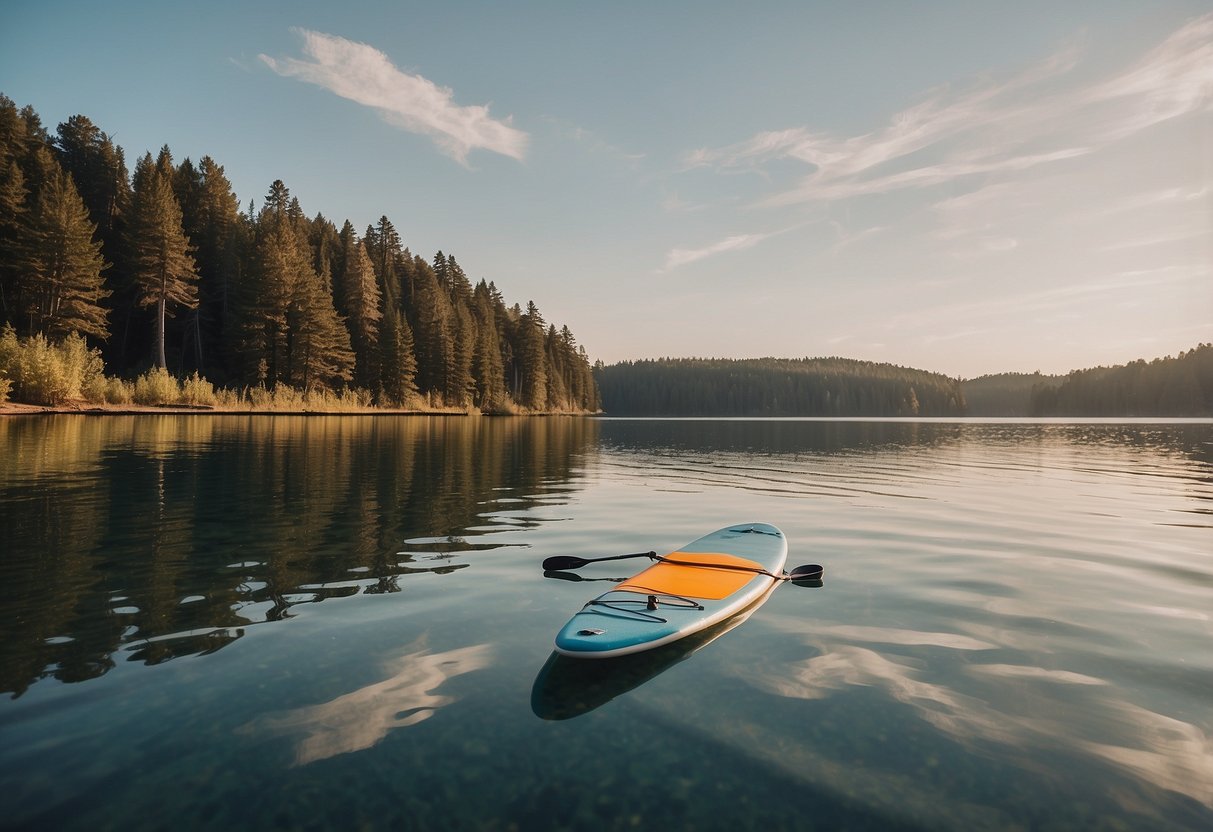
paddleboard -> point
(701, 584)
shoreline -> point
(88, 409)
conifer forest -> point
(160, 269)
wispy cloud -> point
(1036, 304)
(366, 75)
(1157, 198)
(1196, 232)
(738, 242)
(848, 238)
(1028, 121)
(593, 143)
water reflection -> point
(1015, 712)
(1016, 634)
(567, 687)
(165, 536)
(361, 718)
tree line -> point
(161, 267)
(774, 387)
(1005, 394)
(1171, 386)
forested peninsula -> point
(1170, 387)
(154, 287)
(775, 387)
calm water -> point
(340, 622)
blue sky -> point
(966, 187)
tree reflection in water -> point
(166, 535)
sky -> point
(964, 187)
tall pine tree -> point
(13, 234)
(60, 286)
(161, 264)
(319, 354)
(360, 301)
(488, 369)
(532, 353)
(399, 366)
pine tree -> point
(384, 248)
(460, 286)
(263, 294)
(162, 266)
(12, 235)
(558, 394)
(319, 354)
(460, 388)
(432, 315)
(21, 138)
(360, 297)
(215, 228)
(488, 369)
(99, 171)
(60, 284)
(399, 366)
(289, 330)
(532, 356)
(328, 258)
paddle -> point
(801, 575)
(557, 563)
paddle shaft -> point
(562, 562)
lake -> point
(341, 622)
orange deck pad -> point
(696, 579)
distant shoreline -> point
(85, 409)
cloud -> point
(1031, 120)
(848, 238)
(1174, 79)
(593, 143)
(739, 242)
(363, 74)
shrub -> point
(95, 389)
(229, 399)
(10, 349)
(81, 364)
(118, 391)
(156, 386)
(197, 390)
(356, 398)
(259, 398)
(41, 372)
(287, 398)
(5, 386)
(41, 376)
(346, 400)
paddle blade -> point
(573, 576)
(559, 563)
(808, 572)
(562, 576)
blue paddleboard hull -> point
(620, 622)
